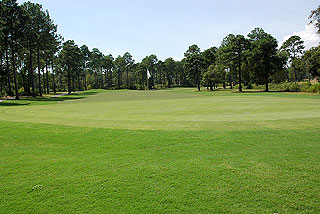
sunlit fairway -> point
(165, 151)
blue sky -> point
(168, 27)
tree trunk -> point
(160, 78)
(44, 81)
(295, 74)
(106, 79)
(1, 72)
(101, 79)
(47, 77)
(8, 73)
(239, 68)
(31, 73)
(119, 80)
(14, 70)
(267, 84)
(127, 78)
(85, 78)
(95, 80)
(110, 80)
(53, 78)
(79, 83)
(198, 79)
(54, 83)
(69, 80)
(39, 72)
(73, 85)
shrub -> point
(21, 91)
(295, 87)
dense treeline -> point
(35, 60)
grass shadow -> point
(256, 91)
(14, 104)
(23, 101)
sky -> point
(168, 27)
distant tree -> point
(209, 57)
(70, 58)
(160, 73)
(129, 61)
(213, 76)
(150, 63)
(315, 18)
(312, 60)
(85, 57)
(234, 49)
(120, 67)
(30, 9)
(169, 67)
(194, 63)
(96, 64)
(263, 55)
(108, 64)
(12, 21)
(141, 73)
(294, 48)
(44, 27)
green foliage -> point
(209, 57)
(214, 75)
(312, 61)
(315, 18)
(233, 52)
(194, 63)
(70, 58)
(293, 87)
(263, 58)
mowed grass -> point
(170, 151)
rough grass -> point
(167, 151)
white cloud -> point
(308, 35)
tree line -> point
(35, 60)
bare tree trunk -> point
(96, 80)
(31, 72)
(54, 83)
(1, 71)
(79, 83)
(14, 70)
(119, 80)
(110, 80)
(69, 80)
(73, 85)
(39, 71)
(127, 78)
(198, 79)
(47, 77)
(239, 69)
(85, 78)
(8, 73)
(44, 81)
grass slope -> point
(161, 152)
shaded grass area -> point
(51, 168)
(46, 99)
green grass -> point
(168, 151)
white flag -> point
(148, 74)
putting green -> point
(178, 109)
